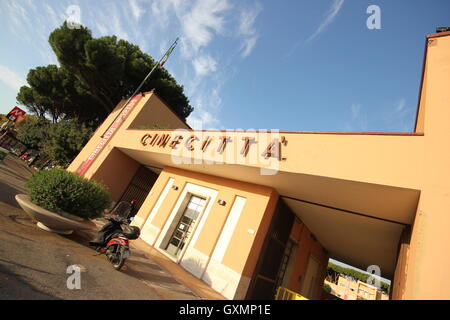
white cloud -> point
(53, 17)
(400, 106)
(31, 25)
(204, 65)
(116, 24)
(400, 116)
(358, 120)
(247, 29)
(247, 20)
(203, 120)
(356, 110)
(208, 104)
(31, 3)
(329, 18)
(394, 117)
(17, 17)
(10, 78)
(111, 18)
(101, 28)
(248, 45)
(200, 22)
(161, 11)
(136, 10)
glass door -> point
(185, 225)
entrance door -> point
(139, 187)
(185, 225)
(310, 282)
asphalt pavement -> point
(34, 263)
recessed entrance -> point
(274, 257)
(139, 186)
(185, 225)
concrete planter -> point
(63, 223)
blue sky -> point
(253, 64)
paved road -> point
(33, 262)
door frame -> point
(177, 221)
(189, 189)
(313, 286)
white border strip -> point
(161, 198)
(228, 229)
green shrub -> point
(60, 190)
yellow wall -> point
(347, 289)
(367, 292)
(95, 139)
(427, 262)
(410, 161)
(150, 110)
(116, 172)
(353, 156)
(243, 250)
(418, 161)
(355, 290)
(156, 113)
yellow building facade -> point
(349, 289)
(248, 211)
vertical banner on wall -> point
(108, 134)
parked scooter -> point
(113, 238)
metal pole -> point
(142, 83)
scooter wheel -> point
(115, 256)
(119, 262)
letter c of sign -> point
(145, 138)
(190, 141)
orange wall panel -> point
(244, 247)
(116, 172)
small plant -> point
(59, 191)
(152, 127)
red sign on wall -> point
(108, 134)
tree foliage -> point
(93, 76)
(33, 131)
(56, 93)
(64, 141)
(57, 142)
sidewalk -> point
(168, 280)
(197, 286)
